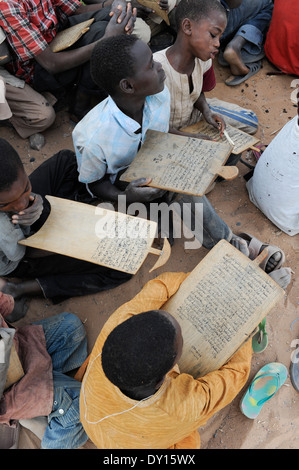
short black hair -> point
(140, 351)
(196, 10)
(10, 165)
(111, 61)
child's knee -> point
(49, 115)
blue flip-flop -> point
(264, 386)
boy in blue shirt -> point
(108, 138)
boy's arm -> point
(134, 192)
(205, 396)
(211, 118)
(122, 21)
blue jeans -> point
(250, 20)
(67, 345)
(213, 228)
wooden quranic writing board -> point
(242, 140)
(70, 36)
(219, 305)
(180, 164)
(100, 236)
(154, 5)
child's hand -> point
(123, 19)
(216, 121)
(32, 213)
(136, 192)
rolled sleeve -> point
(253, 36)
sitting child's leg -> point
(240, 118)
(65, 430)
(67, 345)
(209, 229)
(65, 341)
(31, 112)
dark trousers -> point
(80, 76)
(61, 277)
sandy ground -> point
(277, 426)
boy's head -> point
(202, 22)
(124, 64)
(141, 350)
(15, 187)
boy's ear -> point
(186, 26)
(126, 86)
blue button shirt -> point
(106, 140)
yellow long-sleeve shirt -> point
(171, 417)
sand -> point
(277, 426)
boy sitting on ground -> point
(23, 210)
(45, 400)
(30, 28)
(134, 365)
(189, 70)
(108, 138)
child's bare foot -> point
(19, 311)
(232, 55)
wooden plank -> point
(154, 5)
(101, 236)
(219, 305)
(70, 36)
(242, 140)
(180, 164)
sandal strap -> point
(274, 375)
